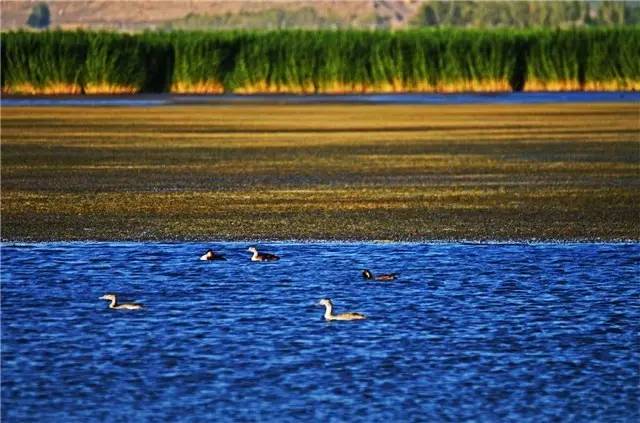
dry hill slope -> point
(142, 14)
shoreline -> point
(275, 241)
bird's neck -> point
(113, 303)
(328, 310)
(255, 254)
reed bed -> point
(320, 62)
(43, 63)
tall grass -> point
(556, 60)
(442, 60)
(617, 71)
(45, 62)
(202, 60)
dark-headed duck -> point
(384, 277)
(211, 255)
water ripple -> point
(509, 332)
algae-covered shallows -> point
(566, 171)
(443, 60)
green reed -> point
(298, 61)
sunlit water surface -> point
(152, 100)
(508, 332)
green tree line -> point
(527, 14)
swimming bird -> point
(211, 255)
(124, 306)
(262, 256)
(384, 277)
(326, 302)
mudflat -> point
(383, 172)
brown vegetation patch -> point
(321, 171)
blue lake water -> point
(152, 100)
(485, 332)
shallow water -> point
(150, 100)
(507, 332)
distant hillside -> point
(147, 14)
(137, 15)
